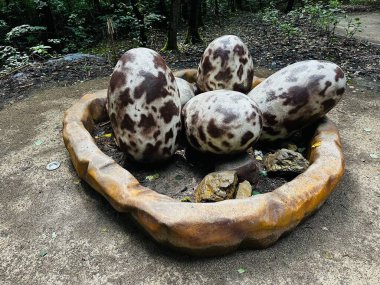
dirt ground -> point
(55, 229)
(370, 26)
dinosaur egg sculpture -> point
(226, 64)
(298, 95)
(144, 106)
(186, 91)
(222, 122)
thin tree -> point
(140, 18)
(289, 6)
(171, 43)
(193, 35)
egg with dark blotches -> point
(186, 91)
(222, 122)
(297, 96)
(144, 106)
(226, 64)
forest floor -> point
(268, 46)
(54, 229)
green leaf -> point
(263, 173)
(186, 199)
(152, 177)
(38, 142)
(374, 155)
(368, 130)
(178, 177)
(241, 270)
(43, 252)
(254, 193)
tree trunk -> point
(185, 10)
(290, 5)
(47, 19)
(162, 8)
(140, 18)
(239, 4)
(192, 35)
(200, 14)
(171, 43)
(232, 4)
(216, 8)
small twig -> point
(13, 70)
(24, 86)
(104, 124)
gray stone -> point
(286, 162)
(245, 166)
(217, 186)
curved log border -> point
(198, 228)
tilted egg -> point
(222, 122)
(144, 106)
(226, 64)
(298, 95)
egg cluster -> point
(215, 107)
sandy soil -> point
(370, 26)
(54, 229)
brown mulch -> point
(269, 49)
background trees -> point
(40, 27)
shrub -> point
(25, 36)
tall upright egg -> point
(144, 106)
(226, 64)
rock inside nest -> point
(217, 186)
(285, 162)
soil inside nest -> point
(179, 177)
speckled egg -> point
(298, 95)
(222, 122)
(226, 64)
(186, 91)
(144, 106)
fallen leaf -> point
(76, 182)
(53, 236)
(374, 155)
(178, 177)
(43, 252)
(241, 270)
(317, 144)
(186, 199)
(254, 193)
(263, 173)
(38, 142)
(259, 158)
(106, 136)
(328, 255)
(368, 130)
(152, 177)
(104, 230)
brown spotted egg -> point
(298, 95)
(222, 122)
(226, 64)
(144, 106)
(186, 91)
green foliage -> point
(40, 51)
(353, 26)
(323, 16)
(10, 59)
(287, 25)
(24, 36)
